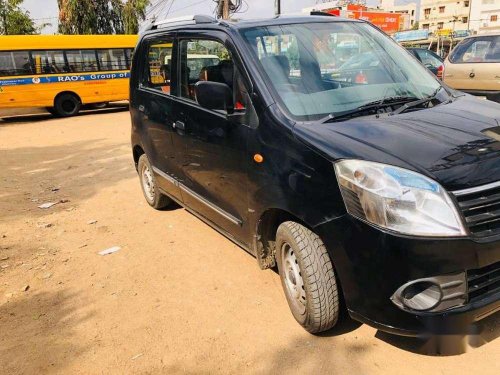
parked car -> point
(473, 66)
(380, 197)
(430, 60)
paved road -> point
(177, 298)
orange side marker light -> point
(258, 158)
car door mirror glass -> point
(214, 96)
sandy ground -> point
(177, 298)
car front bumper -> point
(372, 265)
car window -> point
(428, 58)
(159, 67)
(208, 60)
(477, 50)
(319, 69)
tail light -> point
(440, 72)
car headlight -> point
(397, 199)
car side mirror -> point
(214, 95)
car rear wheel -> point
(150, 189)
(67, 105)
(307, 277)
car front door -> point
(212, 144)
(156, 108)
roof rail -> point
(178, 21)
(320, 13)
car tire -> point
(67, 105)
(150, 189)
(307, 277)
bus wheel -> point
(67, 105)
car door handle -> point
(179, 125)
(142, 108)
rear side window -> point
(15, 63)
(158, 72)
(485, 49)
(428, 58)
(49, 62)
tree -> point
(415, 26)
(14, 20)
(101, 16)
(133, 12)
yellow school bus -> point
(64, 72)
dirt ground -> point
(177, 298)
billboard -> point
(388, 22)
(407, 36)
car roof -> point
(211, 23)
(284, 20)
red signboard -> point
(388, 22)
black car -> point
(379, 195)
(430, 60)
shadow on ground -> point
(30, 176)
(6, 120)
(37, 332)
(481, 333)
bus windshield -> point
(321, 69)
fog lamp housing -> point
(421, 296)
(432, 294)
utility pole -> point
(277, 7)
(225, 9)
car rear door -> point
(475, 65)
(156, 108)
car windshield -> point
(328, 68)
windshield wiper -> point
(368, 107)
(418, 102)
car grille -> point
(481, 209)
(483, 281)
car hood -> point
(456, 144)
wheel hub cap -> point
(147, 183)
(293, 277)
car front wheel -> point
(307, 277)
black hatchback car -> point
(380, 195)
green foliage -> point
(101, 16)
(14, 20)
(415, 26)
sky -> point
(46, 11)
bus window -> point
(112, 59)
(129, 52)
(15, 63)
(82, 61)
(49, 62)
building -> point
(445, 17)
(409, 9)
(485, 16)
